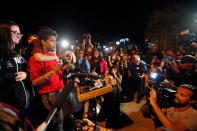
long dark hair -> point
(99, 56)
(5, 38)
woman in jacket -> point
(98, 64)
(15, 87)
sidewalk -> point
(132, 111)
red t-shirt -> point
(38, 69)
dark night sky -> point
(104, 19)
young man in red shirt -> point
(46, 76)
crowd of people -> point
(33, 80)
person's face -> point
(113, 57)
(68, 58)
(80, 54)
(136, 61)
(186, 65)
(133, 51)
(182, 96)
(109, 79)
(15, 35)
(50, 44)
(154, 49)
(96, 54)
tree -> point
(165, 25)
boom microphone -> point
(87, 75)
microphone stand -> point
(59, 102)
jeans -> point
(57, 121)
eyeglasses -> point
(17, 34)
(68, 56)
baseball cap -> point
(188, 59)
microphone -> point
(87, 75)
(68, 66)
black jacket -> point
(81, 67)
(13, 92)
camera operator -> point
(154, 52)
(112, 60)
(180, 117)
(185, 71)
(136, 73)
(87, 41)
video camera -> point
(165, 92)
(165, 96)
(98, 46)
(188, 37)
(87, 36)
(139, 71)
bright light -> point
(104, 46)
(122, 40)
(106, 49)
(64, 43)
(153, 75)
(117, 43)
(72, 47)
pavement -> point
(132, 111)
(140, 123)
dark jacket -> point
(12, 92)
(81, 67)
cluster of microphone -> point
(71, 67)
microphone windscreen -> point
(71, 67)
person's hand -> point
(153, 96)
(136, 47)
(41, 127)
(20, 76)
(57, 59)
(84, 41)
(85, 115)
(90, 125)
(57, 67)
(94, 72)
(113, 72)
(109, 58)
(174, 66)
(194, 44)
